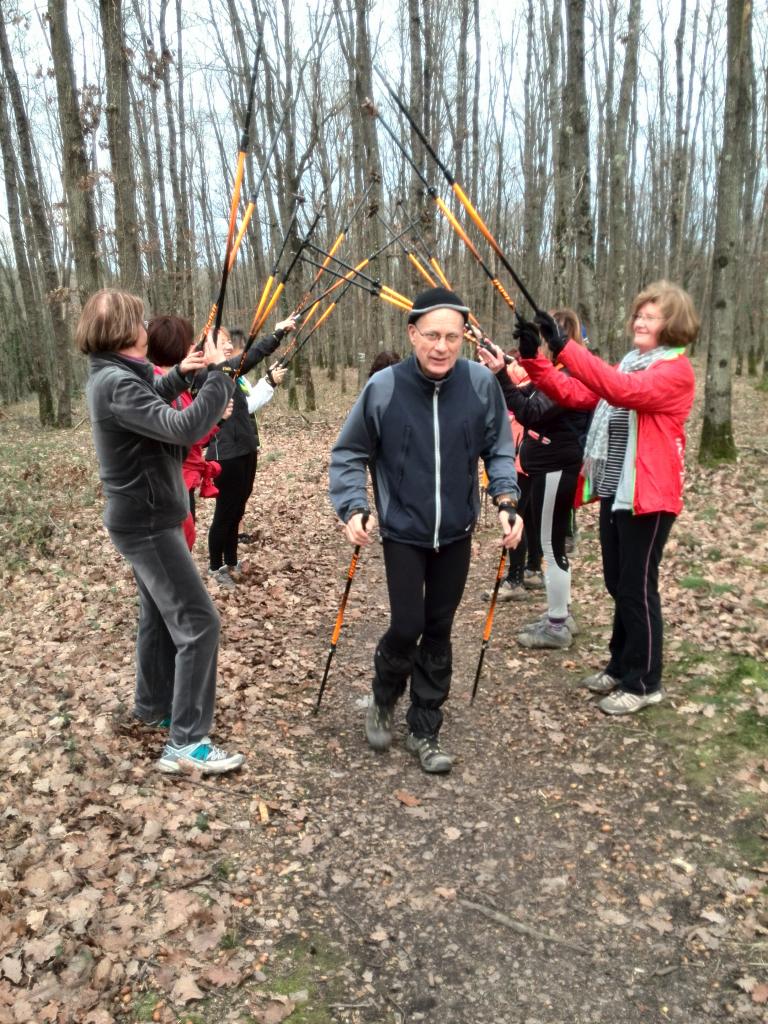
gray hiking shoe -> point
(508, 591)
(600, 682)
(543, 635)
(533, 579)
(432, 758)
(222, 577)
(621, 702)
(378, 726)
(570, 622)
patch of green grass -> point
(699, 583)
(694, 583)
(307, 965)
(231, 939)
(712, 748)
(144, 1006)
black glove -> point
(551, 332)
(527, 336)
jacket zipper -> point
(436, 432)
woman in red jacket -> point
(634, 462)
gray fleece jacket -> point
(140, 439)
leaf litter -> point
(374, 892)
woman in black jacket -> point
(234, 448)
(551, 454)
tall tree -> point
(78, 182)
(56, 296)
(717, 443)
(619, 187)
(119, 134)
(29, 316)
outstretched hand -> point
(490, 355)
(286, 326)
(551, 332)
(527, 336)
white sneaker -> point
(620, 702)
(203, 757)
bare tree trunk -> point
(30, 316)
(119, 133)
(717, 434)
(578, 124)
(619, 186)
(55, 295)
(78, 183)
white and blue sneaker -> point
(202, 756)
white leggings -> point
(551, 503)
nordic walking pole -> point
(410, 255)
(339, 618)
(489, 622)
(371, 109)
(459, 192)
(339, 239)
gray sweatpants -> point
(178, 637)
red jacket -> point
(662, 397)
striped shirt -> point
(618, 436)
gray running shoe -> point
(203, 757)
(620, 702)
(600, 682)
(543, 635)
(508, 591)
(378, 726)
(222, 578)
(432, 758)
(533, 579)
(570, 623)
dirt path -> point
(571, 868)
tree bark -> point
(56, 296)
(78, 182)
(717, 443)
(30, 317)
(119, 133)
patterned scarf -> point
(596, 448)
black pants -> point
(527, 554)
(632, 546)
(235, 484)
(425, 588)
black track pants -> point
(632, 546)
(425, 588)
(235, 484)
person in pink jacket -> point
(634, 463)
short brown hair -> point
(568, 320)
(110, 321)
(681, 321)
(169, 339)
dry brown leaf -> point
(407, 798)
(221, 976)
(185, 990)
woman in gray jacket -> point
(140, 442)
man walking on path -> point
(420, 427)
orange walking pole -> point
(489, 621)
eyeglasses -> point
(645, 318)
(434, 336)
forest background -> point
(605, 142)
